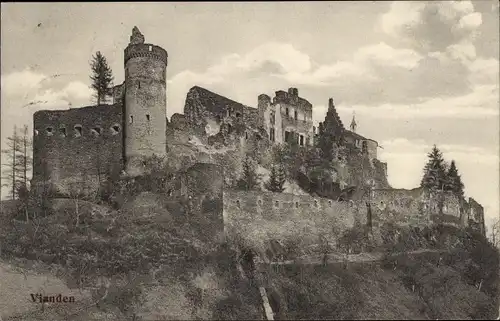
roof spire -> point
(353, 122)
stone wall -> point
(257, 217)
(77, 144)
(415, 206)
(476, 216)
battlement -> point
(146, 50)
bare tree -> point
(11, 172)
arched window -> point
(49, 131)
(131, 119)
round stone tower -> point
(145, 109)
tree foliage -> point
(434, 177)
(101, 77)
(250, 179)
(277, 179)
(453, 180)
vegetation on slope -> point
(454, 275)
(129, 262)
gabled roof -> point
(215, 103)
(357, 136)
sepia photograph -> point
(334, 160)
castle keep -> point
(85, 146)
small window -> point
(301, 140)
(131, 120)
(62, 131)
(246, 135)
(150, 48)
(148, 118)
(238, 115)
(296, 204)
(96, 131)
(259, 202)
(330, 203)
(49, 131)
(139, 85)
(78, 130)
(287, 112)
(315, 203)
(115, 129)
(277, 204)
(296, 114)
(35, 132)
(238, 203)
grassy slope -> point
(155, 265)
(188, 277)
(461, 283)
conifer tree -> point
(101, 77)
(454, 181)
(250, 179)
(277, 179)
(434, 171)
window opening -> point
(115, 129)
(96, 131)
(62, 131)
(78, 130)
(49, 131)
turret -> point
(145, 101)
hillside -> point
(150, 264)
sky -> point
(414, 73)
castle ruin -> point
(92, 143)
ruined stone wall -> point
(256, 216)
(415, 207)
(476, 216)
(77, 144)
(119, 93)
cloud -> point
(274, 62)
(431, 26)
(481, 103)
(21, 82)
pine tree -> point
(277, 179)
(454, 181)
(250, 179)
(102, 77)
(434, 171)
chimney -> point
(296, 92)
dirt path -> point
(351, 258)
